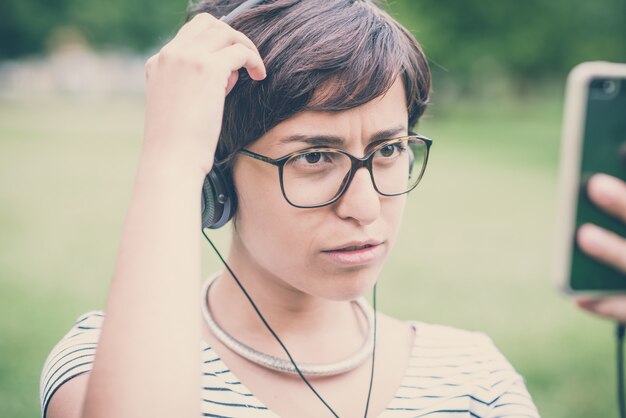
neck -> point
(313, 328)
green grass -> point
(475, 250)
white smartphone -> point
(593, 141)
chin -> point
(351, 284)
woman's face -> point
(300, 249)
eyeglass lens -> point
(317, 176)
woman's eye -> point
(310, 159)
(313, 157)
(387, 150)
(390, 150)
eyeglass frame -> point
(356, 164)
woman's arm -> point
(147, 362)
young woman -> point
(305, 107)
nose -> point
(360, 201)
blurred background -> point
(476, 247)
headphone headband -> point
(243, 7)
(219, 199)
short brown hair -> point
(324, 55)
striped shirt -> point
(451, 373)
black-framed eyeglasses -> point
(318, 176)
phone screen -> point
(603, 151)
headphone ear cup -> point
(219, 200)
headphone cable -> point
(267, 325)
(620, 331)
(369, 391)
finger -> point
(189, 30)
(603, 245)
(609, 307)
(232, 80)
(151, 65)
(197, 24)
(237, 56)
(608, 193)
(216, 38)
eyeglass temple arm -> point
(258, 156)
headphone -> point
(219, 200)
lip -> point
(359, 252)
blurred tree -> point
(471, 42)
(135, 24)
(27, 25)
(524, 40)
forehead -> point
(355, 125)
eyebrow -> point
(338, 141)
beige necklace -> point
(282, 365)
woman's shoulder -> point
(72, 356)
(90, 320)
(453, 345)
(85, 329)
(460, 364)
(446, 334)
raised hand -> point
(187, 82)
(609, 194)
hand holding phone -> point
(609, 194)
(594, 141)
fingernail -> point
(592, 239)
